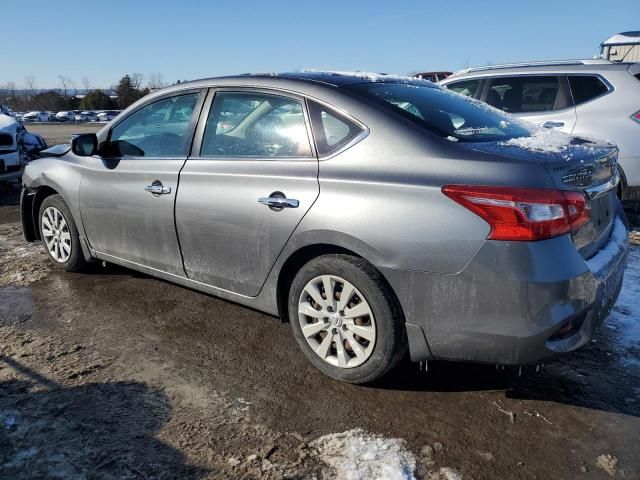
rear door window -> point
(331, 130)
(525, 94)
(465, 87)
(255, 125)
(585, 88)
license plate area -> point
(593, 235)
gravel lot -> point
(56, 133)
(113, 374)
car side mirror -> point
(84, 145)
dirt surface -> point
(113, 374)
(56, 133)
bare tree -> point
(29, 89)
(136, 80)
(65, 82)
(8, 95)
(156, 81)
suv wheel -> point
(60, 235)
(345, 318)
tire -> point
(64, 233)
(362, 358)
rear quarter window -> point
(585, 88)
(331, 130)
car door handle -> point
(552, 124)
(279, 202)
(156, 188)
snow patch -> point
(371, 76)
(545, 141)
(358, 455)
(624, 319)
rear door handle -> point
(552, 124)
(279, 202)
(156, 188)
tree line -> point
(128, 89)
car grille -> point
(6, 140)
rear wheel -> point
(60, 235)
(345, 318)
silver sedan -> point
(381, 216)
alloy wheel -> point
(337, 321)
(56, 234)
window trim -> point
(566, 74)
(610, 87)
(188, 142)
(364, 130)
(196, 146)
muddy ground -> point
(113, 374)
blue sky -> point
(188, 39)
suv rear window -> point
(444, 113)
(585, 88)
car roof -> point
(328, 78)
(557, 66)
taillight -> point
(636, 116)
(523, 213)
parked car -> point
(35, 117)
(448, 229)
(65, 116)
(16, 146)
(432, 76)
(107, 116)
(80, 117)
(595, 98)
(90, 116)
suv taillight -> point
(636, 116)
(523, 213)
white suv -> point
(593, 98)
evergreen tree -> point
(128, 90)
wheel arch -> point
(304, 254)
(30, 210)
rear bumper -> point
(516, 303)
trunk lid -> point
(574, 163)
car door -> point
(252, 177)
(542, 99)
(127, 196)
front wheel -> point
(60, 235)
(345, 319)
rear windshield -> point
(444, 113)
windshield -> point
(445, 113)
